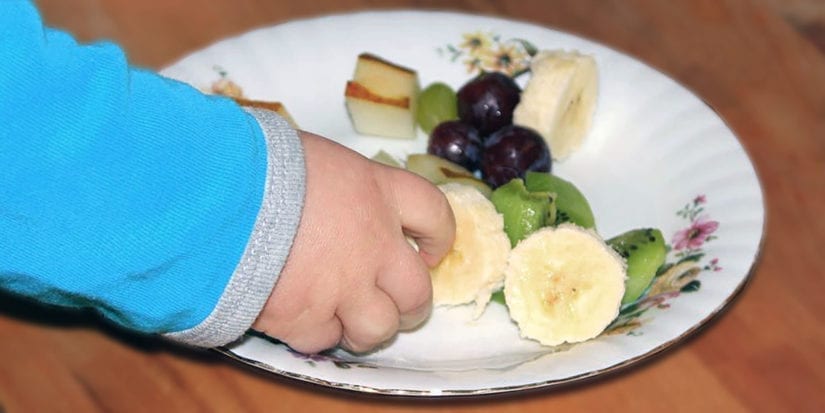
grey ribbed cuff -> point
(269, 244)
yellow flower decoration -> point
(476, 43)
(508, 58)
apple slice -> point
(381, 99)
(441, 171)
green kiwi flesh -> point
(523, 211)
(571, 205)
(644, 252)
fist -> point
(352, 278)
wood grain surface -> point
(765, 353)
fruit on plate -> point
(457, 142)
(276, 107)
(571, 205)
(559, 100)
(474, 267)
(512, 151)
(524, 212)
(436, 104)
(644, 251)
(441, 171)
(381, 98)
(487, 101)
(563, 285)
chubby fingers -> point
(299, 324)
(406, 280)
(425, 214)
(400, 299)
(321, 336)
(369, 318)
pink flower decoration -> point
(695, 235)
(699, 200)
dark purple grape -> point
(487, 102)
(512, 151)
(457, 142)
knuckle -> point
(413, 286)
(355, 346)
(375, 332)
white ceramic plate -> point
(657, 156)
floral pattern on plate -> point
(677, 276)
(482, 51)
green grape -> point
(436, 103)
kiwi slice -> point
(571, 205)
(523, 211)
(644, 251)
(441, 171)
(498, 297)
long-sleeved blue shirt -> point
(168, 211)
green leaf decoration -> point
(530, 48)
(692, 257)
(692, 286)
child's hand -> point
(351, 277)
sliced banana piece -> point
(559, 100)
(474, 267)
(563, 284)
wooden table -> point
(766, 353)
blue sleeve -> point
(127, 192)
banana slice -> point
(474, 268)
(563, 284)
(559, 99)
